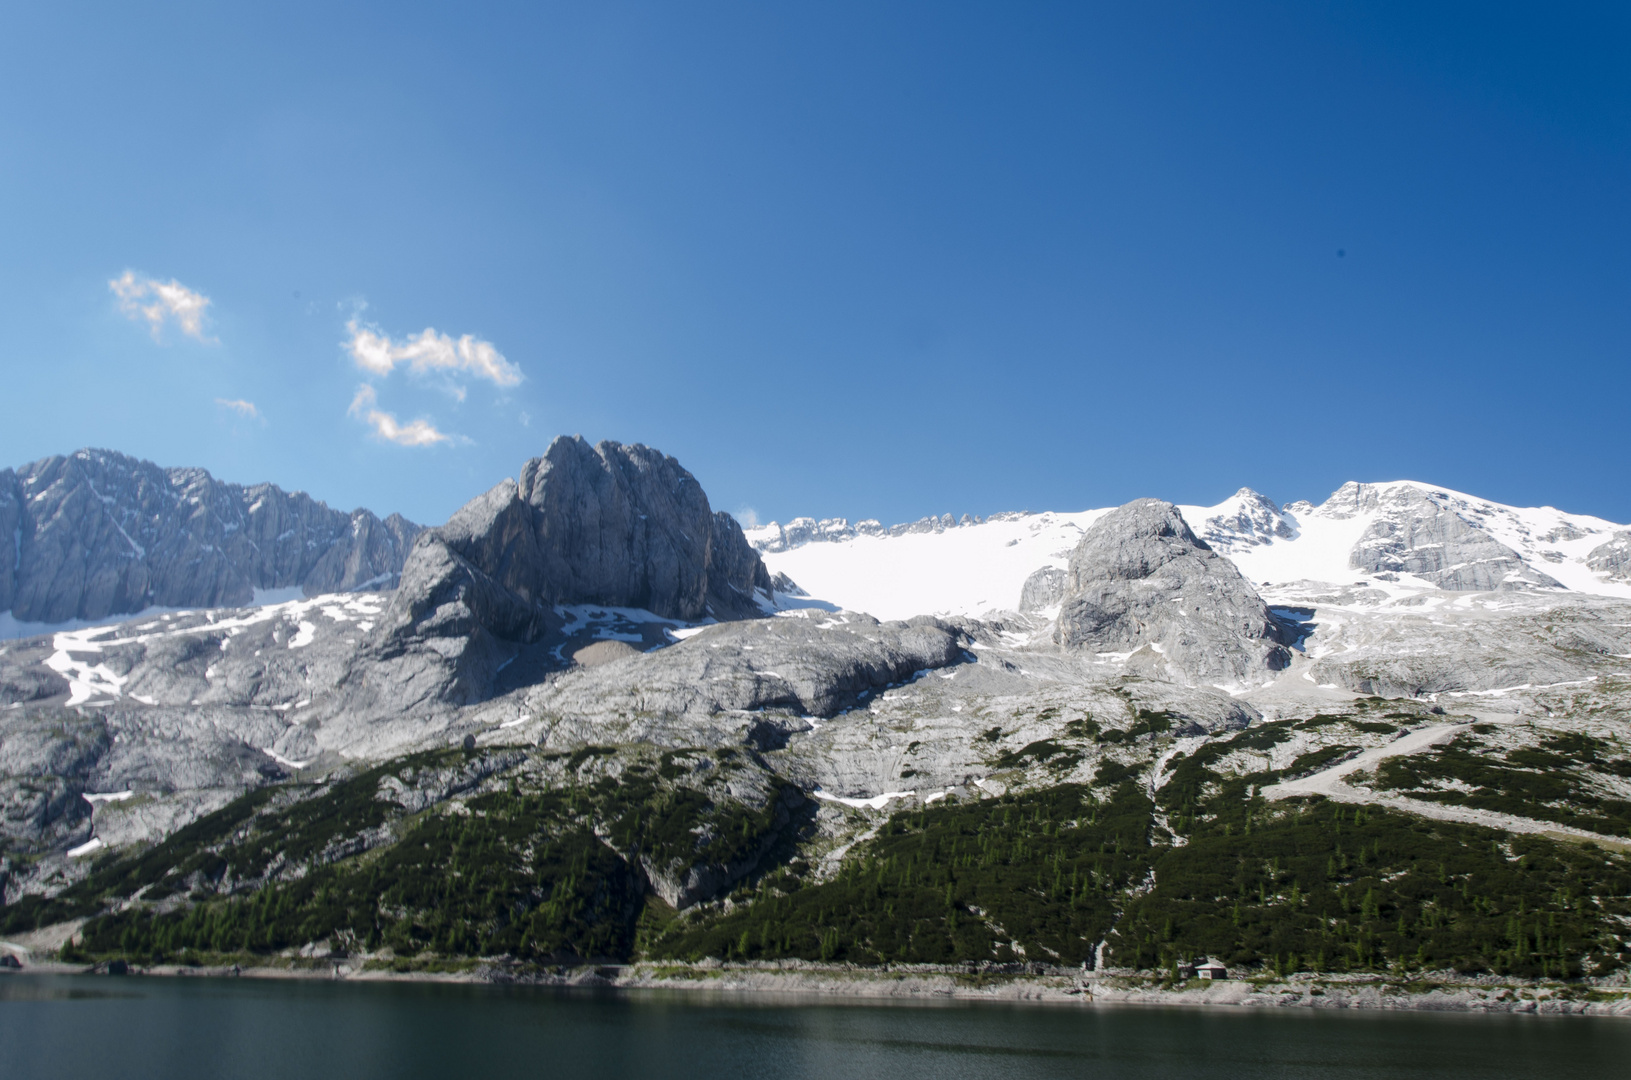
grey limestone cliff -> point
(1044, 589)
(615, 525)
(1613, 559)
(97, 533)
(1423, 533)
(1250, 519)
(1142, 582)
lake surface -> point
(108, 1028)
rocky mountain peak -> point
(623, 526)
(1245, 519)
(1350, 499)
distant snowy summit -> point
(803, 530)
(1401, 539)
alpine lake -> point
(178, 1028)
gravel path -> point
(1330, 783)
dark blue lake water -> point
(180, 1028)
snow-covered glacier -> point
(1403, 539)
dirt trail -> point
(1330, 783)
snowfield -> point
(966, 570)
(978, 567)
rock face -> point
(1044, 589)
(1613, 559)
(628, 526)
(50, 758)
(1420, 532)
(621, 526)
(97, 533)
(1140, 580)
(1245, 519)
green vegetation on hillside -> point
(551, 858)
(509, 874)
(1545, 782)
(1313, 885)
(537, 870)
(1023, 876)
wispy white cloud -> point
(243, 408)
(429, 351)
(747, 517)
(387, 427)
(160, 302)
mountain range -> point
(591, 718)
(96, 535)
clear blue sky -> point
(870, 259)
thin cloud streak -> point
(386, 426)
(159, 302)
(429, 351)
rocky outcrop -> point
(1244, 520)
(1422, 532)
(23, 675)
(1142, 582)
(46, 761)
(798, 666)
(737, 578)
(1613, 559)
(614, 525)
(97, 533)
(50, 758)
(11, 536)
(1044, 589)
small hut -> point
(1211, 969)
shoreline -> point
(1439, 992)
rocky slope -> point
(97, 534)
